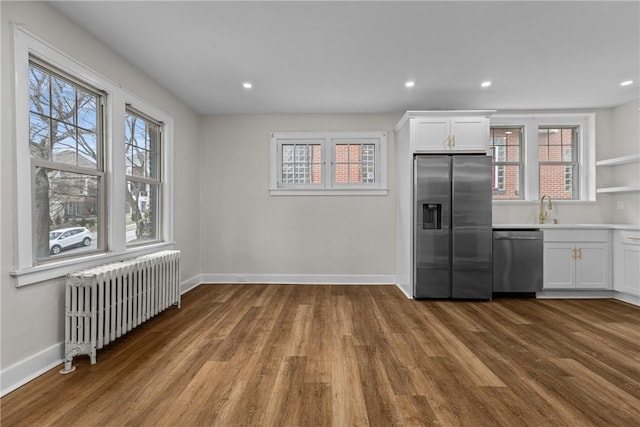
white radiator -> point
(106, 302)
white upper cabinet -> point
(450, 134)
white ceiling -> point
(354, 57)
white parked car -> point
(66, 238)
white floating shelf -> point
(625, 189)
(622, 160)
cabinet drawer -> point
(576, 235)
(628, 237)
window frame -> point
(573, 164)
(328, 185)
(156, 182)
(585, 122)
(25, 269)
(503, 163)
(98, 172)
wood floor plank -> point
(265, 355)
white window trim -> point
(586, 152)
(25, 269)
(328, 185)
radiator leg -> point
(68, 367)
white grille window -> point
(558, 161)
(143, 190)
(66, 144)
(72, 166)
(321, 162)
(546, 154)
(508, 165)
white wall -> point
(247, 231)
(32, 316)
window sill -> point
(329, 192)
(55, 270)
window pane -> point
(39, 92)
(506, 182)
(513, 154)
(87, 149)
(65, 201)
(142, 212)
(63, 101)
(39, 137)
(355, 163)
(301, 164)
(87, 111)
(54, 134)
(557, 181)
(142, 141)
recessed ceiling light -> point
(247, 85)
(485, 84)
(626, 83)
(410, 83)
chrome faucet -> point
(544, 215)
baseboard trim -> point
(190, 284)
(299, 279)
(30, 368)
(631, 299)
(574, 294)
(588, 294)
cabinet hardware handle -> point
(453, 140)
(633, 238)
(449, 141)
(573, 253)
(580, 253)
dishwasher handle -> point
(506, 235)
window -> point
(506, 147)
(80, 140)
(557, 154)
(143, 140)
(328, 162)
(355, 162)
(65, 142)
(301, 163)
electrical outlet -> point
(620, 205)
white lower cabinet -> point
(626, 262)
(576, 259)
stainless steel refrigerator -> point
(453, 229)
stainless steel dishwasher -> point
(517, 262)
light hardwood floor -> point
(270, 355)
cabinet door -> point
(627, 263)
(470, 134)
(431, 134)
(592, 266)
(559, 266)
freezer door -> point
(432, 204)
(471, 227)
